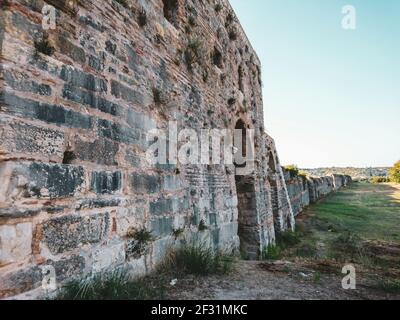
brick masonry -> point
(76, 104)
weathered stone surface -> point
(29, 139)
(123, 92)
(26, 108)
(119, 133)
(76, 106)
(21, 82)
(165, 206)
(67, 268)
(145, 183)
(162, 227)
(100, 151)
(106, 182)
(305, 190)
(20, 280)
(15, 242)
(104, 258)
(53, 181)
(90, 99)
(67, 233)
(83, 80)
(68, 48)
(30, 277)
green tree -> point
(394, 173)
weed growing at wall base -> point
(198, 260)
(111, 286)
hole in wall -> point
(241, 146)
(69, 157)
(217, 58)
(171, 10)
(241, 75)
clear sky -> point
(331, 96)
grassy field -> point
(371, 211)
(358, 225)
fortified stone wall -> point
(304, 190)
(77, 104)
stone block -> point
(127, 94)
(69, 49)
(15, 242)
(144, 183)
(119, 133)
(99, 151)
(52, 181)
(26, 138)
(80, 79)
(161, 227)
(91, 99)
(106, 182)
(108, 256)
(21, 82)
(69, 232)
(26, 108)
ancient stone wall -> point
(304, 190)
(77, 105)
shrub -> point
(287, 239)
(272, 252)
(394, 173)
(376, 180)
(177, 233)
(142, 18)
(230, 18)
(142, 235)
(293, 170)
(123, 3)
(192, 21)
(233, 35)
(110, 286)
(198, 260)
(158, 96)
(303, 174)
(202, 226)
(193, 52)
(44, 46)
(284, 240)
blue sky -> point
(331, 96)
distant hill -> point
(355, 173)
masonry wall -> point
(77, 104)
(304, 190)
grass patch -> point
(288, 239)
(111, 286)
(272, 253)
(284, 241)
(306, 250)
(198, 260)
(369, 210)
(389, 286)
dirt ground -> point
(276, 281)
